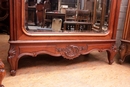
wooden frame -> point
(69, 46)
(125, 42)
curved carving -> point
(122, 50)
(12, 52)
(1, 7)
(71, 51)
(4, 14)
(2, 73)
(4, 17)
(13, 60)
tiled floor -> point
(91, 70)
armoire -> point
(125, 41)
(29, 39)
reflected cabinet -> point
(67, 28)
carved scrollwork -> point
(3, 8)
(34, 54)
(71, 51)
(122, 47)
(12, 59)
(122, 50)
(114, 48)
(12, 52)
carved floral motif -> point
(123, 52)
(71, 51)
(123, 46)
(12, 52)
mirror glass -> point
(67, 16)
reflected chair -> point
(46, 20)
(84, 20)
(70, 22)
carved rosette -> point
(114, 48)
(71, 51)
(123, 47)
(122, 50)
(12, 52)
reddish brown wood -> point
(39, 9)
(125, 42)
(2, 73)
(67, 45)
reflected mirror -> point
(66, 16)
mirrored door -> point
(50, 16)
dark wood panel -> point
(4, 16)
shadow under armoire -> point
(125, 41)
(28, 38)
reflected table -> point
(55, 14)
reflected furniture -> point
(46, 20)
(32, 19)
(125, 41)
(2, 73)
(68, 44)
(84, 20)
(70, 19)
(55, 15)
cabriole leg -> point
(13, 60)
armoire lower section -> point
(124, 50)
(68, 49)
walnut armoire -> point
(31, 40)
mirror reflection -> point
(67, 15)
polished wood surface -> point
(125, 42)
(2, 73)
(67, 45)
